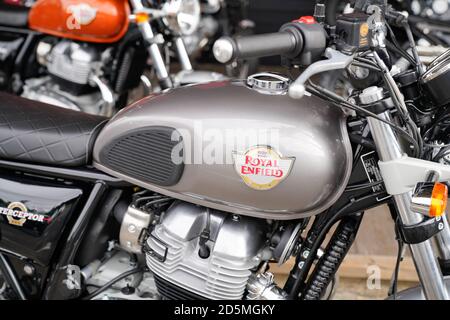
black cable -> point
(161, 202)
(393, 289)
(438, 126)
(403, 112)
(390, 46)
(441, 154)
(409, 103)
(113, 281)
(138, 201)
(412, 44)
(341, 102)
(356, 187)
(397, 47)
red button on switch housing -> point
(306, 20)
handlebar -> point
(301, 42)
(227, 49)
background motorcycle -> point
(73, 227)
(90, 55)
(222, 18)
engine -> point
(72, 80)
(72, 61)
(136, 286)
(170, 249)
(197, 253)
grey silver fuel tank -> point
(226, 146)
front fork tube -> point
(158, 62)
(423, 255)
(442, 240)
(182, 53)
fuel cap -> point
(268, 83)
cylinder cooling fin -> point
(172, 253)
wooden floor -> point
(356, 289)
(356, 274)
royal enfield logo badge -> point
(80, 15)
(17, 214)
(15, 209)
(262, 168)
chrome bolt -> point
(440, 226)
(28, 269)
(235, 218)
(305, 254)
(131, 228)
(301, 264)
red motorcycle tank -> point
(100, 21)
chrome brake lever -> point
(336, 60)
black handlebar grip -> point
(262, 45)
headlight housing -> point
(183, 16)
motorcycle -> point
(222, 18)
(192, 193)
(91, 56)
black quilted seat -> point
(13, 16)
(40, 133)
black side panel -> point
(33, 215)
(145, 154)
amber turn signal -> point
(142, 17)
(439, 197)
(430, 199)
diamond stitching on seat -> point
(25, 126)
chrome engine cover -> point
(47, 91)
(75, 63)
(72, 61)
(236, 245)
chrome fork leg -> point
(183, 56)
(425, 261)
(442, 240)
(153, 49)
